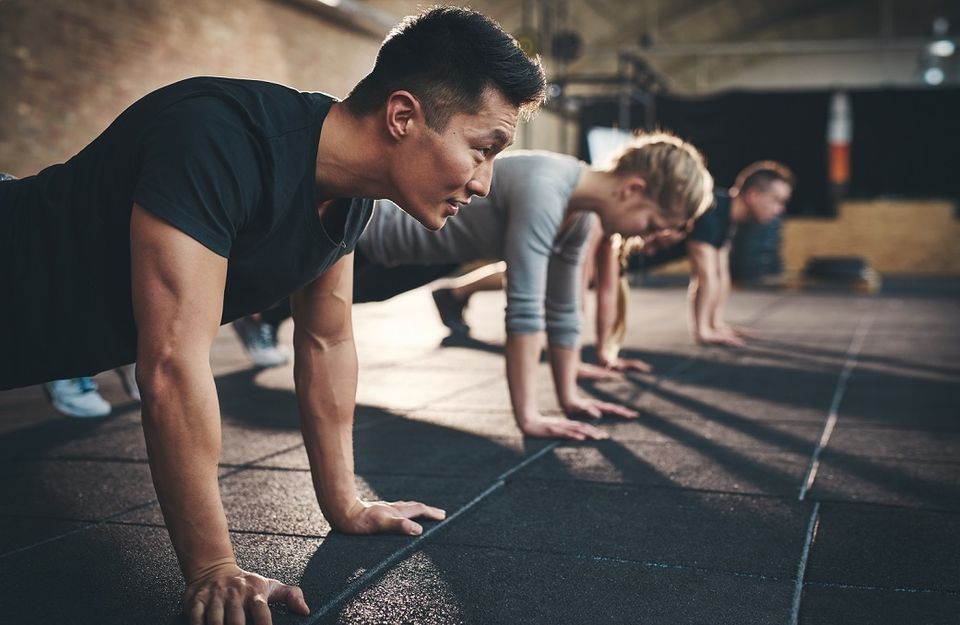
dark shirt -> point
(231, 163)
(714, 227)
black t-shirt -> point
(229, 162)
(714, 227)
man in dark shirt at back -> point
(759, 195)
(211, 199)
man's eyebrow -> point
(501, 139)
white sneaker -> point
(77, 397)
(260, 342)
(128, 378)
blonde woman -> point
(538, 219)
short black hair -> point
(449, 58)
(761, 174)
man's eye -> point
(483, 151)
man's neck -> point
(347, 157)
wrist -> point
(569, 403)
(211, 568)
(340, 515)
(525, 418)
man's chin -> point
(435, 224)
(429, 220)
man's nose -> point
(479, 185)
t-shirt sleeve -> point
(534, 216)
(200, 171)
(563, 279)
(709, 229)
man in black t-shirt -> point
(759, 195)
(214, 198)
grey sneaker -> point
(260, 342)
(77, 397)
(127, 375)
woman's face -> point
(640, 215)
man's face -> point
(436, 173)
(765, 205)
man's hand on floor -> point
(228, 595)
(375, 517)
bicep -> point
(177, 287)
(322, 309)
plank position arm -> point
(707, 293)
(552, 278)
(610, 322)
(178, 287)
(325, 374)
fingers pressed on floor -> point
(233, 612)
(259, 611)
(197, 610)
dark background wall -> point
(905, 144)
(904, 141)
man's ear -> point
(750, 195)
(401, 110)
(632, 186)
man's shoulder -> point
(269, 108)
(219, 85)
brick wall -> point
(68, 68)
(897, 237)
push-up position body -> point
(211, 199)
(539, 216)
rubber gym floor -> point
(812, 477)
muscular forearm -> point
(181, 424)
(326, 381)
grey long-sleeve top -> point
(522, 221)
